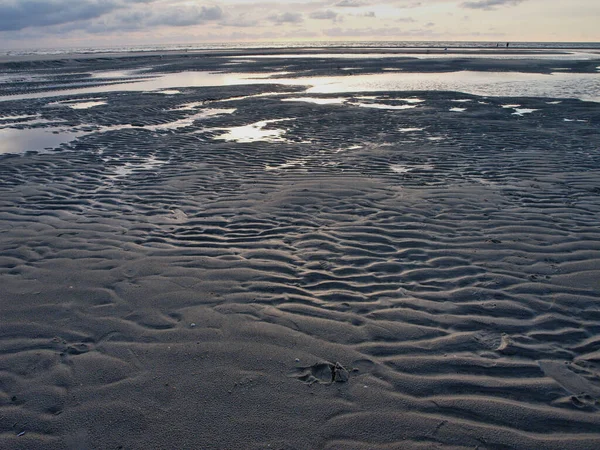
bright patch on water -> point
(188, 106)
(462, 100)
(399, 168)
(409, 130)
(510, 106)
(254, 132)
(383, 106)
(317, 101)
(295, 163)
(521, 111)
(435, 54)
(167, 92)
(558, 102)
(436, 138)
(574, 120)
(19, 117)
(188, 121)
(458, 109)
(86, 105)
(115, 74)
(13, 140)
(498, 84)
(130, 167)
(391, 69)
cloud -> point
(351, 3)
(490, 4)
(287, 17)
(324, 15)
(17, 15)
(185, 16)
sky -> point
(110, 23)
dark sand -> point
(164, 289)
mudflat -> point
(214, 251)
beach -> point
(289, 249)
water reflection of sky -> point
(495, 84)
(13, 140)
(436, 54)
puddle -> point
(317, 101)
(498, 84)
(14, 140)
(410, 130)
(254, 132)
(17, 140)
(36, 120)
(458, 109)
(128, 168)
(399, 168)
(295, 163)
(521, 111)
(115, 74)
(412, 100)
(188, 106)
(383, 106)
(19, 117)
(435, 54)
(166, 92)
(86, 105)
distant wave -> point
(318, 44)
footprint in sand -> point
(321, 373)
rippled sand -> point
(340, 276)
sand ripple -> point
(448, 263)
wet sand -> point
(253, 266)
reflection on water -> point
(13, 140)
(458, 109)
(130, 167)
(521, 111)
(86, 105)
(317, 101)
(399, 168)
(564, 56)
(498, 84)
(384, 106)
(254, 132)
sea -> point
(315, 44)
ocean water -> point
(291, 45)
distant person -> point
(507, 44)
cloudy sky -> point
(83, 23)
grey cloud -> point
(97, 16)
(490, 4)
(351, 3)
(324, 15)
(140, 19)
(288, 17)
(19, 14)
(182, 17)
